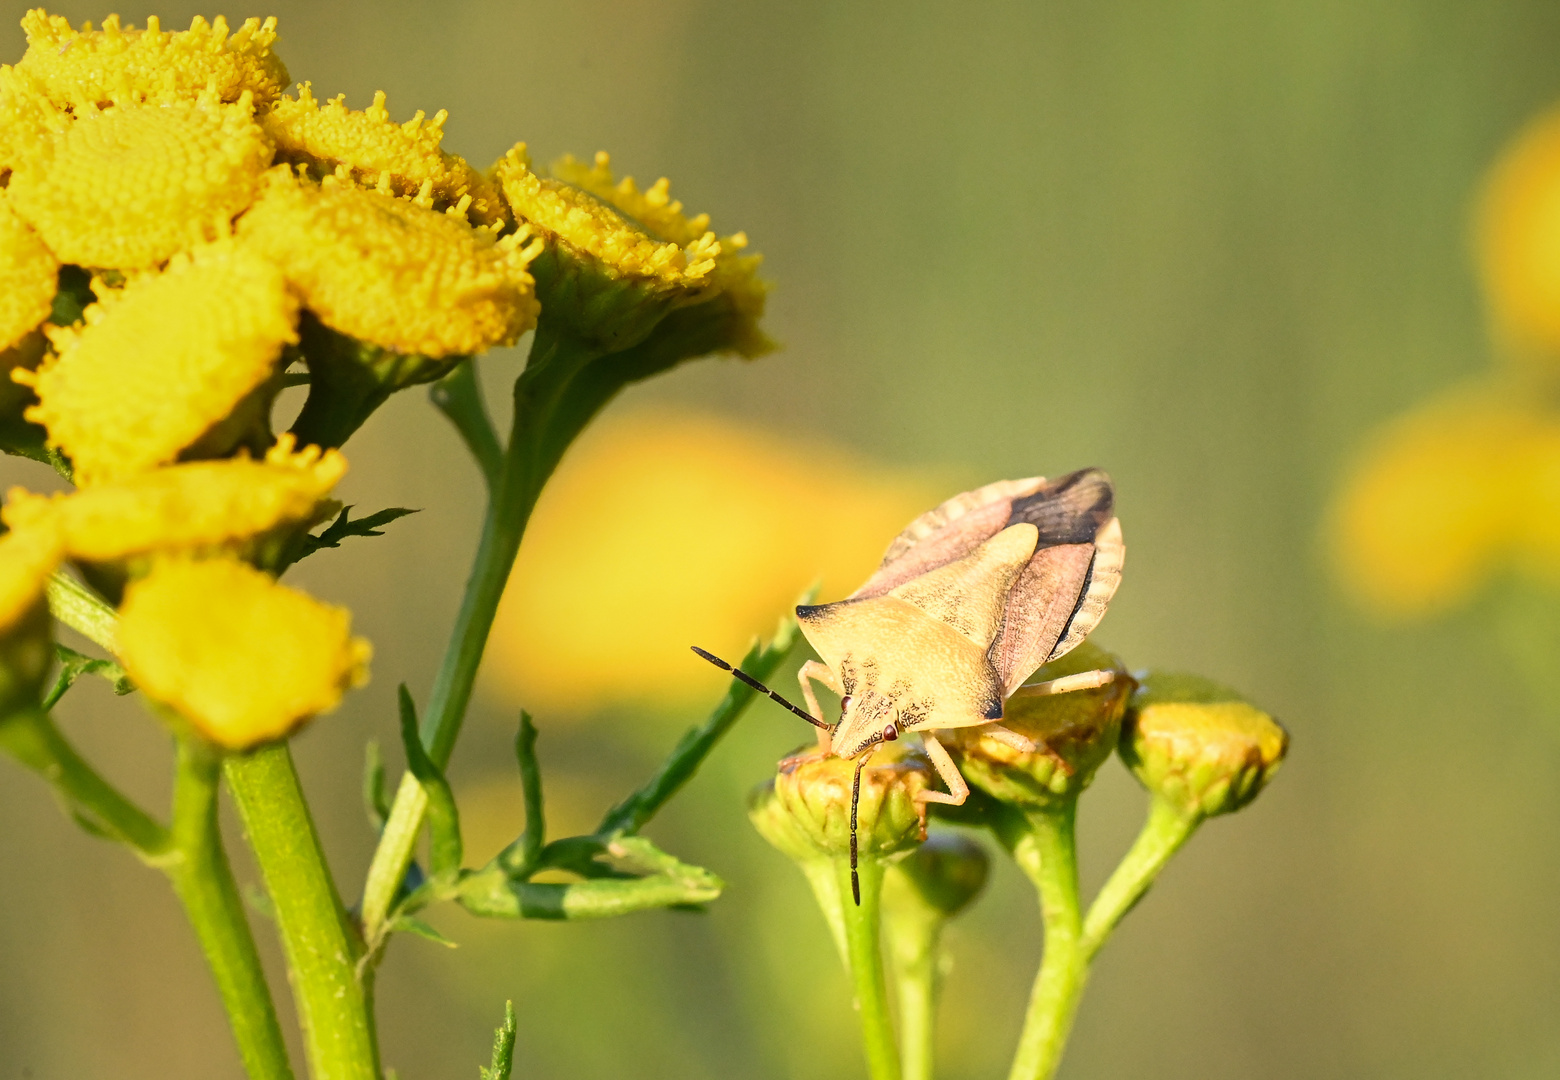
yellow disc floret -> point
(375, 151)
(27, 557)
(29, 276)
(84, 68)
(241, 657)
(126, 187)
(194, 507)
(162, 361)
(391, 273)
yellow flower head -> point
(391, 273)
(195, 507)
(241, 657)
(29, 276)
(81, 69)
(163, 361)
(1519, 236)
(127, 187)
(397, 159)
(1447, 494)
(27, 557)
(27, 117)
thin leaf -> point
(444, 847)
(345, 525)
(503, 1047)
(411, 924)
(376, 803)
(522, 857)
(73, 665)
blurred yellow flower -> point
(128, 186)
(29, 276)
(663, 530)
(120, 64)
(1519, 237)
(398, 159)
(241, 657)
(159, 363)
(391, 273)
(27, 558)
(193, 507)
(1450, 493)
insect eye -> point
(891, 733)
(844, 704)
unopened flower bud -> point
(1199, 745)
(805, 810)
(1074, 733)
(943, 875)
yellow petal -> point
(29, 276)
(241, 657)
(159, 363)
(128, 187)
(27, 558)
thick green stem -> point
(204, 883)
(914, 936)
(1049, 856)
(322, 949)
(863, 940)
(1162, 836)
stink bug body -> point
(969, 600)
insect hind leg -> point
(1084, 680)
(958, 790)
(814, 671)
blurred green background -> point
(1207, 245)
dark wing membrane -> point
(1069, 510)
(950, 532)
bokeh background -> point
(1208, 245)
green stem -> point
(1161, 837)
(322, 950)
(203, 880)
(73, 604)
(863, 940)
(1048, 855)
(914, 937)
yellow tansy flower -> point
(84, 68)
(655, 209)
(718, 555)
(27, 117)
(398, 159)
(1447, 494)
(27, 557)
(391, 273)
(241, 657)
(160, 363)
(196, 506)
(126, 187)
(29, 276)
(1519, 236)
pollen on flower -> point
(27, 557)
(82, 69)
(127, 187)
(29, 276)
(391, 273)
(668, 251)
(160, 362)
(400, 159)
(194, 507)
(242, 658)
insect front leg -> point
(811, 671)
(958, 790)
(1084, 680)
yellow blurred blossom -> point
(397, 159)
(663, 530)
(1447, 495)
(29, 276)
(128, 186)
(391, 273)
(159, 363)
(241, 657)
(81, 69)
(27, 557)
(192, 507)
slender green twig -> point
(863, 938)
(503, 1047)
(459, 396)
(204, 883)
(1048, 855)
(1162, 836)
(322, 950)
(73, 604)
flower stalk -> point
(863, 942)
(1048, 856)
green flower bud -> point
(1074, 732)
(943, 875)
(805, 810)
(1199, 745)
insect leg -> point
(1084, 680)
(1009, 737)
(813, 670)
(958, 790)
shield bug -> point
(968, 602)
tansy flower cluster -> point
(178, 229)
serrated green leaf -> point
(345, 526)
(73, 665)
(503, 1047)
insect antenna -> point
(744, 677)
(855, 801)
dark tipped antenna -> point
(744, 677)
(855, 801)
